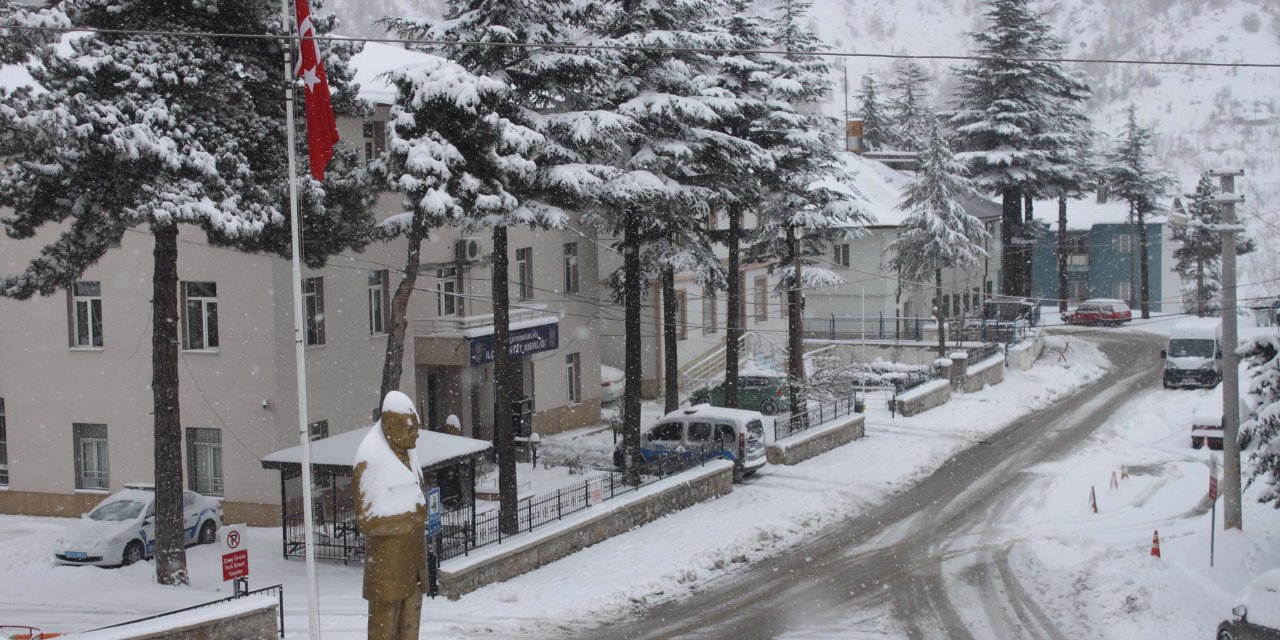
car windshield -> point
(1191, 348)
(117, 510)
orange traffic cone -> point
(1155, 544)
(1093, 500)
(1115, 484)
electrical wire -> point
(644, 48)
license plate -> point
(76, 555)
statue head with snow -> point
(391, 512)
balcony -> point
(482, 325)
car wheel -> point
(133, 553)
(702, 400)
(768, 407)
(1225, 635)
(208, 533)
(1196, 444)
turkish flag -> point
(322, 129)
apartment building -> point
(75, 368)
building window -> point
(946, 305)
(318, 430)
(448, 300)
(379, 301)
(86, 314)
(573, 377)
(200, 303)
(1121, 290)
(524, 273)
(375, 140)
(1077, 290)
(762, 298)
(842, 255)
(92, 464)
(571, 267)
(682, 308)
(313, 310)
(204, 460)
(1123, 243)
(4, 448)
(708, 312)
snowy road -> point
(933, 562)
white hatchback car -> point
(121, 529)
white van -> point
(733, 434)
(1193, 357)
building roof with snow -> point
(882, 191)
(376, 59)
(337, 454)
(1084, 213)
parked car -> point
(1100, 311)
(765, 394)
(1257, 611)
(612, 383)
(121, 529)
(1206, 422)
(734, 434)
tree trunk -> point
(1201, 297)
(670, 354)
(1133, 277)
(170, 551)
(940, 314)
(398, 319)
(1063, 288)
(1010, 223)
(795, 330)
(733, 318)
(632, 347)
(1144, 296)
(1028, 248)
(504, 389)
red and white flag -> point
(322, 129)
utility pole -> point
(1232, 517)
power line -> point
(623, 47)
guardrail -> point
(277, 589)
(864, 328)
(464, 530)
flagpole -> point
(299, 342)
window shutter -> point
(386, 301)
(71, 317)
(184, 330)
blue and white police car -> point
(121, 529)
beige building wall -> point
(247, 387)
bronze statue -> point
(391, 512)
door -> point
(662, 440)
(433, 401)
(697, 440)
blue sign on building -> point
(524, 342)
(434, 510)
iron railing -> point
(822, 413)
(464, 530)
(276, 589)
(880, 327)
(980, 353)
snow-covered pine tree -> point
(1262, 433)
(455, 160)
(149, 132)
(909, 113)
(809, 198)
(938, 233)
(730, 162)
(16, 45)
(541, 80)
(1071, 169)
(1132, 177)
(875, 126)
(1199, 252)
(1005, 100)
(661, 97)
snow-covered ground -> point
(1081, 562)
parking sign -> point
(434, 511)
(235, 552)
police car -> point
(121, 529)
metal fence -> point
(464, 530)
(277, 590)
(980, 353)
(868, 328)
(334, 533)
(816, 416)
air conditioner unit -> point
(467, 250)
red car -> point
(1100, 312)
